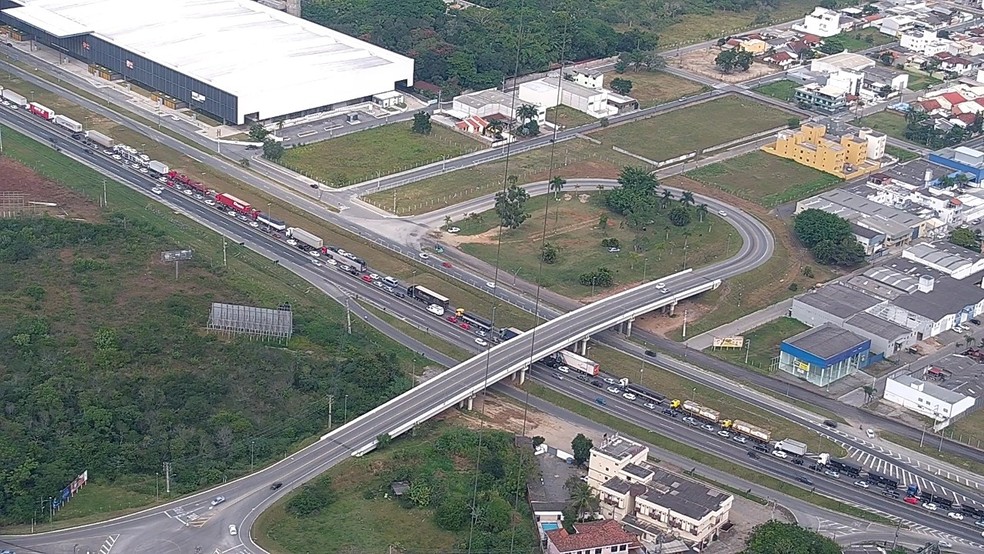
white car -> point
(614, 390)
(316, 263)
(342, 252)
(930, 506)
(314, 253)
(611, 380)
(614, 249)
(490, 284)
(453, 230)
(435, 309)
(722, 213)
(724, 434)
(955, 515)
(629, 396)
(209, 202)
(739, 439)
(832, 473)
(218, 500)
(870, 433)
(481, 342)
(157, 190)
(423, 256)
(331, 261)
(187, 192)
(142, 170)
(861, 484)
(254, 224)
(563, 369)
(162, 179)
(779, 454)
(649, 406)
(291, 242)
(661, 285)
(232, 530)
(374, 276)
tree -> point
(495, 128)
(603, 222)
(611, 242)
(526, 112)
(581, 499)
(886, 58)
(846, 252)
(966, 238)
(273, 150)
(510, 205)
(701, 212)
(636, 192)
(776, 537)
(557, 185)
(687, 198)
(529, 129)
(832, 45)
(549, 253)
(814, 226)
(447, 221)
(621, 65)
(725, 61)
(581, 446)
(679, 216)
(257, 132)
(421, 123)
(621, 86)
(666, 196)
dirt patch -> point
(702, 63)
(500, 413)
(15, 177)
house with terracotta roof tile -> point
(593, 537)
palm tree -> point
(687, 198)
(447, 221)
(667, 196)
(557, 185)
(701, 212)
(526, 112)
(495, 128)
(582, 498)
(512, 180)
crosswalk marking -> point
(108, 544)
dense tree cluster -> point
(776, 537)
(829, 238)
(966, 238)
(476, 48)
(921, 129)
(99, 374)
(729, 61)
(510, 206)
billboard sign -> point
(729, 342)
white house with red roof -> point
(594, 537)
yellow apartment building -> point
(851, 156)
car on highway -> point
(331, 261)
(664, 291)
(739, 439)
(563, 369)
(652, 353)
(979, 522)
(722, 213)
(435, 309)
(291, 242)
(911, 500)
(276, 486)
(490, 284)
(232, 530)
(481, 342)
(209, 202)
(254, 224)
(870, 433)
(600, 401)
(611, 380)
(779, 454)
(157, 190)
(861, 484)
(708, 428)
(232, 213)
(752, 454)
(660, 285)
(724, 434)
(316, 263)
(931, 506)
(955, 515)
(446, 264)
(614, 390)
(805, 480)
(597, 383)
(218, 500)
(831, 473)
(423, 256)
(629, 396)
(649, 406)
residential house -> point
(593, 537)
(473, 124)
(957, 64)
(878, 79)
(896, 25)
(924, 42)
(781, 59)
(822, 22)
(820, 98)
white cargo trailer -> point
(68, 123)
(306, 238)
(100, 139)
(14, 98)
(157, 167)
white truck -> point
(14, 98)
(157, 167)
(578, 362)
(100, 139)
(305, 238)
(68, 123)
(793, 447)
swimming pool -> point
(550, 526)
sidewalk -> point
(742, 325)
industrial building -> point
(927, 398)
(850, 156)
(824, 354)
(544, 93)
(956, 261)
(899, 226)
(653, 504)
(234, 60)
(962, 158)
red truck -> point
(41, 111)
(236, 204)
(175, 178)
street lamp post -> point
(345, 409)
(693, 397)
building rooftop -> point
(620, 448)
(590, 535)
(877, 326)
(865, 232)
(893, 222)
(897, 280)
(638, 471)
(688, 498)
(931, 389)
(483, 98)
(949, 295)
(847, 60)
(914, 172)
(949, 259)
(265, 57)
(839, 300)
(963, 375)
(825, 341)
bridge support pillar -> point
(584, 347)
(467, 403)
(628, 327)
(672, 308)
(521, 374)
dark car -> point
(805, 480)
(652, 353)
(975, 321)
(752, 454)
(597, 383)
(276, 486)
(830, 423)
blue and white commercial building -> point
(824, 354)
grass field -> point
(856, 41)
(567, 117)
(656, 87)
(353, 523)
(921, 81)
(571, 157)
(902, 154)
(385, 150)
(692, 28)
(888, 122)
(766, 179)
(781, 90)
(572, 226)
(694, 128)
(762, 344)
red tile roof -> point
(943, 55)
(930, 105)
(967, 118)
(782, 56)
(979, 101)
(593, 534)
(797, 46)
(874, 17)
(954, 98)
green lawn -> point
(761, 344)
(576, 157)
(385, 150)
(888, 122)
(694, 128)
(766, 179)
(567, 117)
(656, 87)
(902, 154)
(856, 41)
(782, 90)
(572, 226)
(920, 81)
(697, 27)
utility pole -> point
(331, 402)
(167, 477)
(251, 443)
(225, 262)
(105, 199)
(685, 312)
(748, 348)
(157, 483)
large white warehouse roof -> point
(273, 62)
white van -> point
(435, 309)
(391, 281)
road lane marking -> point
(108, 544)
